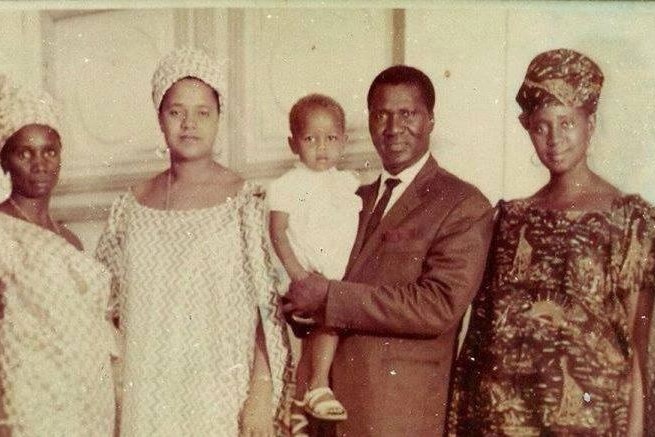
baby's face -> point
(320, 140)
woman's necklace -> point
(21, 211)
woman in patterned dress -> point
(55, 342)
(194, 295)
(556, 341)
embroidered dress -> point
(189, 285)
(323, 214)
(55, 343)
(650, 381)
(548, 350)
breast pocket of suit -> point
(403, 252)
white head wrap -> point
(20, 107)
(181, 63)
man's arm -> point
(452, 271)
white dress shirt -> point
(406, 177)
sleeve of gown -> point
(265, 283)
(645, 326)
(470, 362)
(12, 261)
(110, 253)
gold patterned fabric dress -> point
(650, 380)
(55, 342)
(548, 351)
(189, 287)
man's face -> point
(400, 125)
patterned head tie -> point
(560, 77)
(181, 63)
(21, 107)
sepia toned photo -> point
(321, 219)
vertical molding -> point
(235, 110)
(398, 36)
(47, 25)
(503, 168)
(204, 30)
(183, 28)
(33, 54)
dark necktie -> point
(378, 211)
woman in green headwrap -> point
(557, 340)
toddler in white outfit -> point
(314, 214)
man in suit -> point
(416, 264)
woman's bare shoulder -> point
(144, 190)
(70, 236)
(227, 180)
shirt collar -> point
(406, 176)
(301, 165)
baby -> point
(314, 213)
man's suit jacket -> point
(400, 305)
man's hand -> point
(306, 297)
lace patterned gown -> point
(55, 343)
(189, 285)
(548, 350)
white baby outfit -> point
(323, 214)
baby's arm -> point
(278, 224)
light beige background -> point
(98, 63)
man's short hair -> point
(405, 75)
(300, 108)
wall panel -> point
(288, 53)
(462, 49)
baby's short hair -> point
(304, 104)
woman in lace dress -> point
(194, 295)
(55, 342)
(556, 342)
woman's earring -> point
(534, 160)
(162, 151)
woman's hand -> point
(257, 416)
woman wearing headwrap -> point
(556, 341)
(55, 342)
(194, 294)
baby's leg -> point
(319, 400)
(304, 367)
(323, 347)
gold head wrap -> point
(560, 77)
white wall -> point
(99, 63)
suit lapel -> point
(408, 202)
(369, 194)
